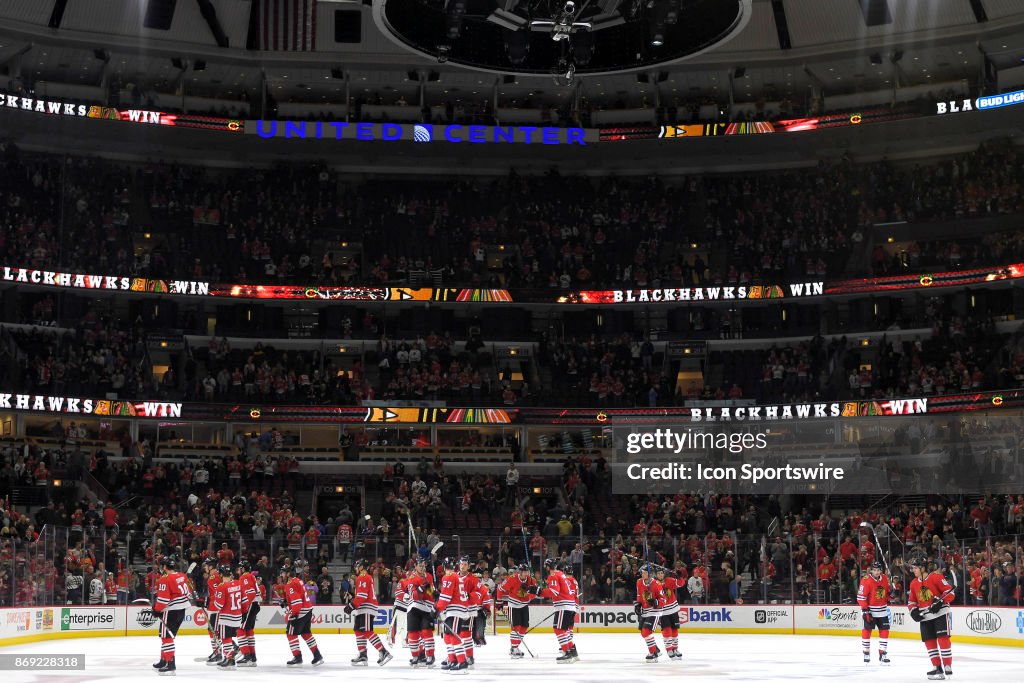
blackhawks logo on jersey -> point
(879, 593)
(925, 594)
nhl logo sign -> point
(146, 618)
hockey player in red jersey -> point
(212, 582)
(298, 614)
(364, 609)
(668, 609)
(518, 589)
(646, 608)
(173, 596)
(453, 606)
(421, 593)
(469, 587)
(563, 598)
(250, 608)
(928, 599)
(227, 600)
(574, 589)
(873, 598)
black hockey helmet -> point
(169, 561)
(245, 565)
(448, 563)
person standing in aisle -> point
(173, 597)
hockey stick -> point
(878, 545)
(526, 548)
(210, 628)
(550, 616)
(411, 539)
(655, 565)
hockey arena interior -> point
(581, 340)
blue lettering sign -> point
(420, 132)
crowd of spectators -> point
(103, 354)
(724, 548)
(957, 358)
(429, 368)
(605, 372)
(270, 375)
(546, 231)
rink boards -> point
(1002, 626)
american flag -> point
(287, 25)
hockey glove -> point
(937, 605)
(637, 608)
(869, 621)
(916, 614)
(532, 590)
(348, 609)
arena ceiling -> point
(829, 46)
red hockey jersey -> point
(228, 601)
(453, 600)
(922, 593)
(297, 602)
(172, 593)
(365, 600)
(213, 580)
(420, 591)
(560, 592)
(515, 591)
(873, 595)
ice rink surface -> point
(603, 657)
